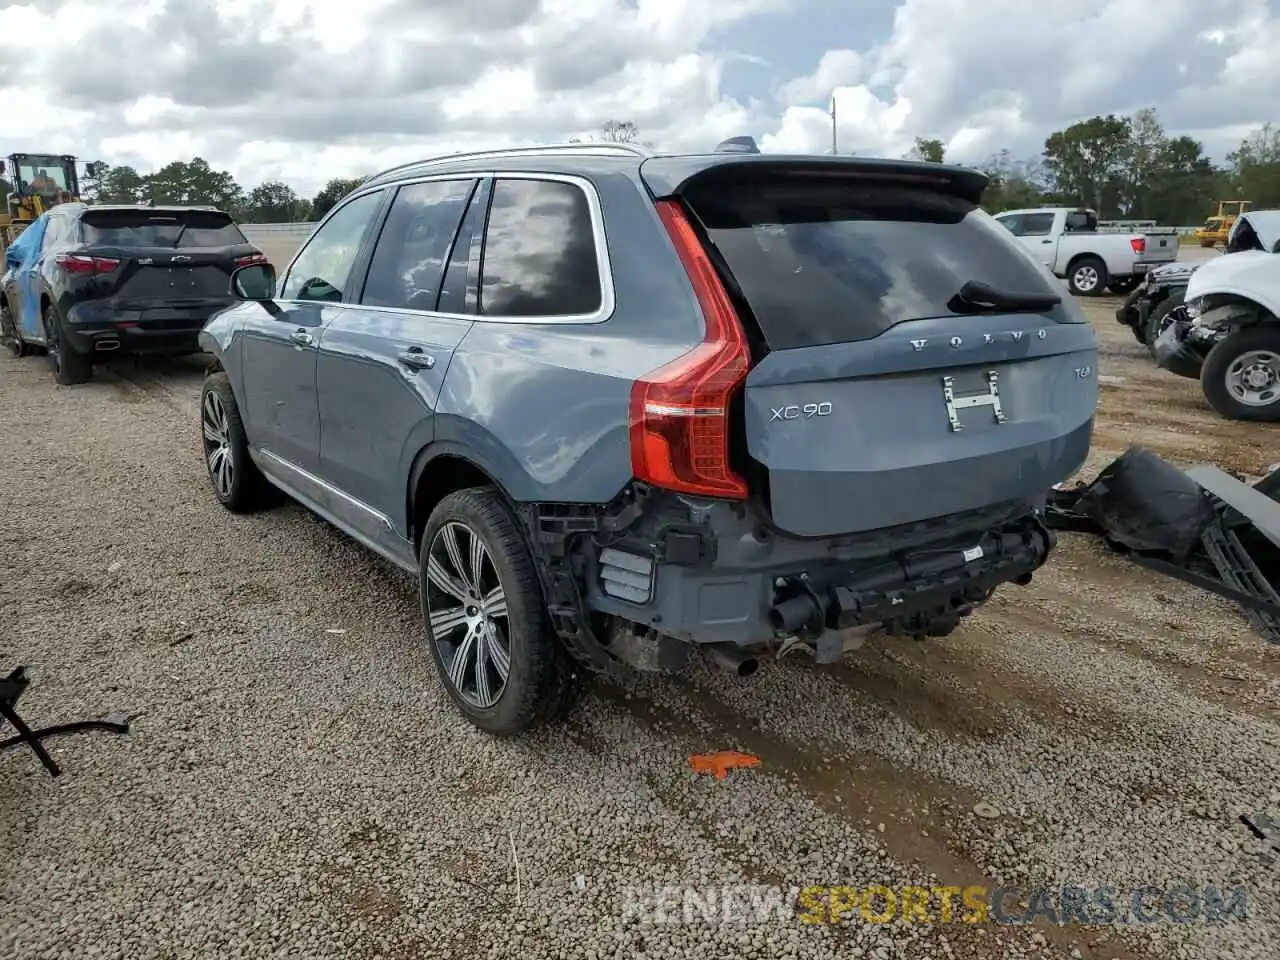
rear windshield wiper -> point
(978, 296)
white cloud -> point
(303, 90)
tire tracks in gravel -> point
(911, 821)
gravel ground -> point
(297, 785)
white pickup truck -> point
(1069, 243)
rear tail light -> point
(81, 264)
(1139, 244)
(679, 416)
(250, 259)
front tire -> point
(1087, 277)
(1155, 320)
(485, 621)
(1241, 375)
(70, 367)
(237, 482)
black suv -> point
(107, 280)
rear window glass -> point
(840, 261)
(141, 228)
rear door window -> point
(836, 261)
(408, 261)
(539, 251)
(146, 228)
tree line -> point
(1122, 166)
(1129, 167)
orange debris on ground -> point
(721, 762)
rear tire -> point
(9, 332)
(1241, 375)
(237, 482)
(70, 367)
(485, 620)
(1087, 277)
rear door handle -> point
(302, 338)
(1046, 241)
(415, 359)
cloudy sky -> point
(302, 90)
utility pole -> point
(835, 148)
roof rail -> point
(605, 148)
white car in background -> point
(1070, 244)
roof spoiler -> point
(669, 176)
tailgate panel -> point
(166, 282)
(858, 436)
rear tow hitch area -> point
(920, 594)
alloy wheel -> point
(466, 609)
(216, 431)
(1253, 378)
(1086, 279)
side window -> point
(1037, 224)
(1012, 223)
(408, 262)
(321, 270)
(539, 252)
(462, 275)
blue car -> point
(613, 409)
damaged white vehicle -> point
(1228, 333)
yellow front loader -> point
(39, 181)
(1215, 230)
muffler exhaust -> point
(731, 658)
(102, 346)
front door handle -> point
(302, 338)
(1046, 241)
(415, 359)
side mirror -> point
(254, 281)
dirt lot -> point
(297, 786)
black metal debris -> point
(1202, 526)
(11, 688)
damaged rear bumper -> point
(923, 593)
(739, 600)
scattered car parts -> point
(1202, 526)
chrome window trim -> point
(604, 265)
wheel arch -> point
(1081, 257)
(442, 468)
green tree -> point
(1014, 184)
(120, 185)
(928, 150)
(1086, 162)
(91, 182)
(1182, 187)
(331, 193)
(1254, 168)
(274, 202)
(619, 131)
(194, 182)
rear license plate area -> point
(972, 398)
